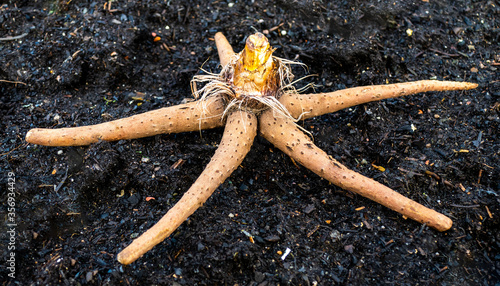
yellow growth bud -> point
(254, 71)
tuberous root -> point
(311, 105)
(191, 116)
(299, 146)
(241, 129)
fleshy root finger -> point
(191, 116)
(299, 146)
(224, 48)
(240, 131)
(310, 105)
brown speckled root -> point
(310, 105)
(224, 49)
(299, 146)
(241, 129)
(191, 116)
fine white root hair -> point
(219, 86)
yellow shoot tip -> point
(257, 52)
(254, 70)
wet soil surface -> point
(78, 63)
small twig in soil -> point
(444, 53)
(461, 206)
(13, 82)
(56, 189)
(489, 212)
(17, 147)
(14, 37)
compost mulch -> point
(76, 63)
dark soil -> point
(80, 63)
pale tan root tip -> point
(28, 136)
(445, 224)
(124, 259)
(31, 137)
(219, 37)
(470, 85)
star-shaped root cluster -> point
(242, 124)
